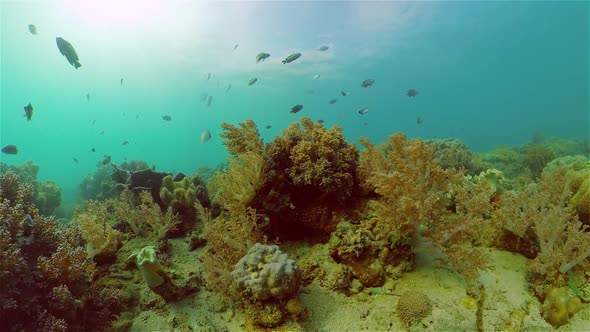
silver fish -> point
(363, 111)
(205, 136)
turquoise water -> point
(489, 73)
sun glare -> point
(115, 13)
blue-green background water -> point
(489, 73)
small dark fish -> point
(363, 111)
(228, 87)
(93, 150)
(419, 120)
(320, 121)
(29, 112)
(343, 93)
(106, 159)
(205, 136)
(262, 56)
(136, 116)
(332, 101)
(75, 160)
(10, 149)
(32, 29)
(235, 47)
(208, 76)
(310, 92)
(166, 117)
(252, 81)
(121, 82)
(412, 93)
(323, 48)
(268, 126)
(88, 97)
(291, 58)
(296, 108)
(365, 123)
(66, 49)
(209, 100)
(93, 122)
(102, 132)
(125, 142)
(367, 83)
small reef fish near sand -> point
(205, 136)
(252, 81)
(332, 101)
(10, 149)
(29, 112)
(166, 117)
(32, 29)
(412, 93)
(66, 49)
(296, 108)
(323, 48)
(291, 58)
(262, 56)
(364, 111)
(367, 83)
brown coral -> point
(412, 306)
(241, 140)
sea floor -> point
(506, 290)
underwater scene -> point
(294, 165)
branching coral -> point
(241, 180)
(241, 140)
(100, 237)
(413, 189)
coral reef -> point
(454, 153)
(99, 185)
(535, 159)
(102, 241)
(559, 306)
(266, 272)
(413, 306)
(154, 275)
(48, 197)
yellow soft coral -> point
(240, 181)
(413, 188)
(100, 237)
(241, 140)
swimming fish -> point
(332, 101)
(106, 159)
(29, 111)
(204, 96)
(121, 82)
(323, 48)
(93, 150)
(235, 47)
(88, 97)
(367, 83)
(252, 81)
(228, 87)
(296, 108)
(268, 126)
(309, 92)
(66, 49)
(10, 149)
(102, 132)
(93, 122)
(412, 93)
(262, 56)
(363, 111)
(208, 76)
(166, 117)
(419, 120)
(205, 136)
(316, 76)
(291, 58)
(320, 121)
(344, 93)
(32, 29)
(125, 142)
(209, 100)
(75, 160)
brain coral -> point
(412, 307)
(266, 272)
